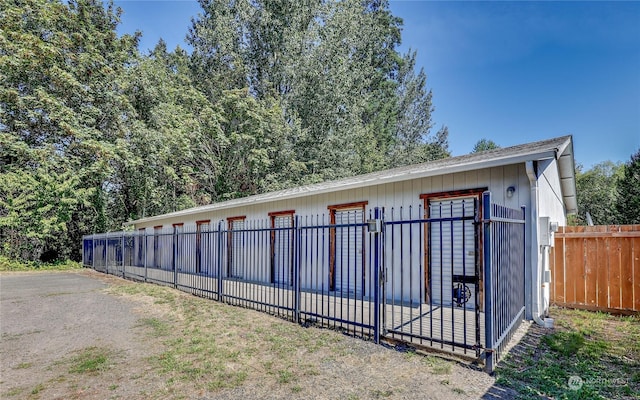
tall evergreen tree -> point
(628, 188)
(484, 145)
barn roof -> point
(560, 148)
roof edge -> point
(546, 149)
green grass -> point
(158, 327)
(587, 356)
(37, 389)
(90, 360)
(14, 391)
(214, 346)
(7, 264)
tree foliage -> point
(61, 117)
(628, 205)
(274, 94)
(484, 145)
(353, 103)
(597, 193)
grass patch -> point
(90, 360)
(159, 294)
(213, 346)
(37, 389)
(7, 264)
(14, 391)
(24, 365)
(158, 327)
(285, 376)
(588, 356)
(443, 368)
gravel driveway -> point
(48, 320)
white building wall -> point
(313, 209)
(551, 204)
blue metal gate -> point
(432, 277)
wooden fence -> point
(597, 268)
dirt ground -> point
(85, 335)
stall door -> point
(349, 251)
(452, 252)
(202, 247)
(282, 249)
(236, 248)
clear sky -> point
(512, 72)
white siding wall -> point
(551, 204)
(311, 209)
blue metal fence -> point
(299, 280)
(504, 276)
(396, 275)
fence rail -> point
(597, 268)
(407, 274)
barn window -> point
(346, 245)
(282, 247)
(235, 246)
(201, 257)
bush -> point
(7, 264)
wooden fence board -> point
(597, 267)
(614, 273)
(602, 268)
(570, 282)
(590, 267)
(626, 274)
(557, 273)
(635, 264)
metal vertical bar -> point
(421, 289)
(93, 252)
(146, 248)
(296, 268)
(452, 255)
(383, 275)
(441, 275)
(464, 274)
(376, 278)
(174, 256)
(219, 266)
(410, 226)
(488, 277)
(392, 273)
(123, 255)
(106, 253)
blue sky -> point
(512, 72)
